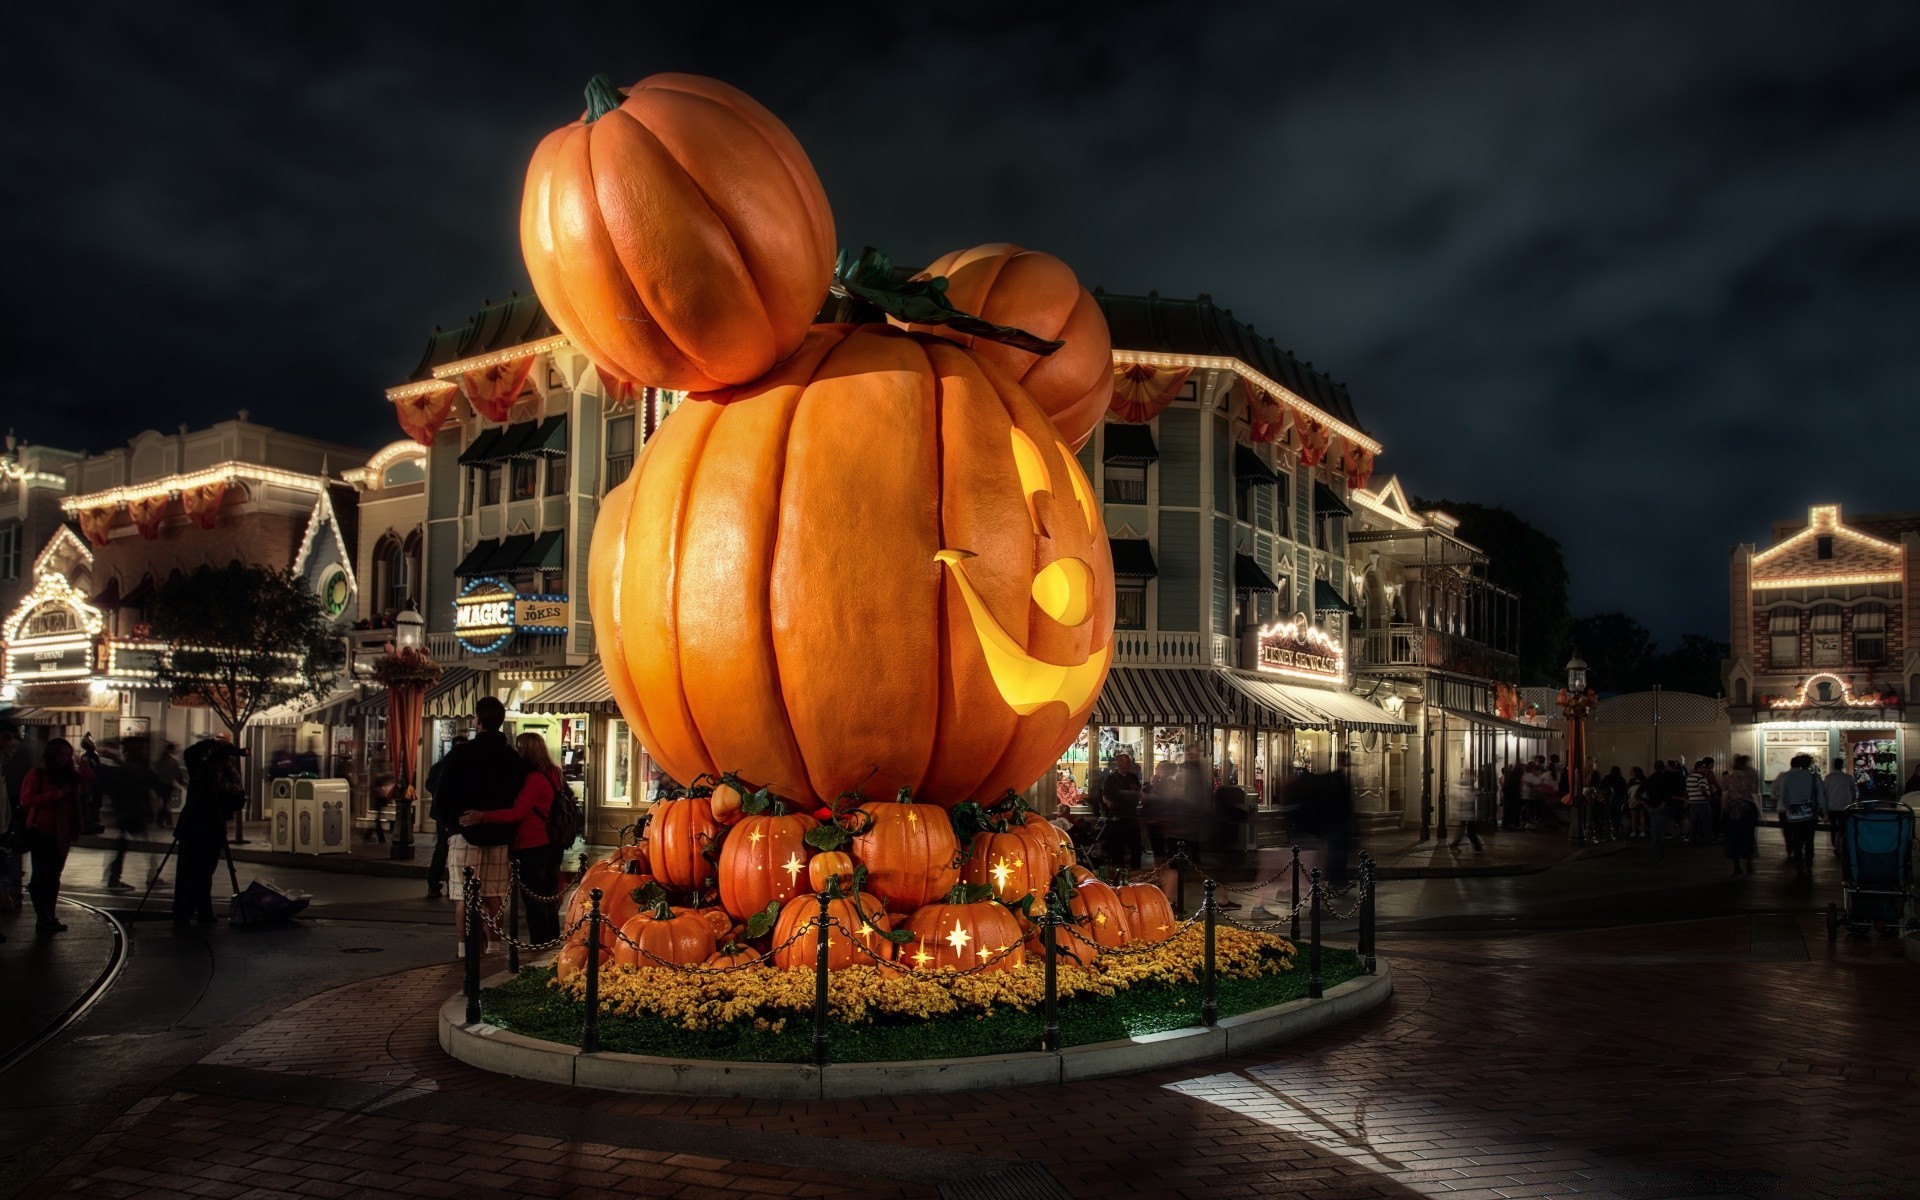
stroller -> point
(1876, 870)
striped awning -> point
(456, 693)
(1263, 704)
(375, 705)
(584, 691)
(331, 711)
(1161, 696)
(1346, 709)
(1492, 722)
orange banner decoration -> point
(1141, 393)
(1357, 461)
(1266, 416)
(422, 416)
(146, 514)
(95, 523)
(203, 503)
(1314, 439)
(621, 393)
(492, 390)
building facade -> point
(1820, 660)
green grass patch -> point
(525, 1004)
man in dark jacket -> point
(214, 794)
(442, 826)
(1120, 799)
(482, 774)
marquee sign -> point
(489, 612)
(1302, 650)
(67, 658)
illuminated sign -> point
(489, 612)
(68, 660)
(1302, 650)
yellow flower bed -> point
(769, 997)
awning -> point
(1249, 576)
(1249, 468)
(334, 710)
(456, 693)
(548, 552)
(1130, 445)
(331, 711)
(28, 715)
(1493, 722)
(584, 691)
(1133, 558)
(538, 439)
(375, 705)
(477, 558)
(485, 448)
(109, 596)
(1324, 501)
(1327, 598)
(1263, 704)
(511, 555)
(1161, 696)
(1346, 709)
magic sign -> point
(489, 612)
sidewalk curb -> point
(340, 864)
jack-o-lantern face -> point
(878, 566)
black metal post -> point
(590, 1024)
(1295, 908)
(820, 985)
(1179, 879)
(513, 923)
(1369, 915)
(470, 889)
(1050, 1032)
(1209, 1001)
(1313, 951)
(403, 828)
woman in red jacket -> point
(53, 795)
(538, 859)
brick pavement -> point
(1731, 1056)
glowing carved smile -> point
(1025, 682)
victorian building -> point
(1821, 661)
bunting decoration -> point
(1357, 461)
(1315, 438)
(492, 390)
(146, 513)
(95, 522)
(422, 415)
(1141, 392)
(203, 503)
(1266, 416)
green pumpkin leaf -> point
(921, 301)
(759, 802)
(761, 923)
(969, 893)
(898, 937)
(827, 837)
(653, 897)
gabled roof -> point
(325, 522)
(63, 537)
(512, 322)
(1852, 555)
(1172, 326)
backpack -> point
(564, 818)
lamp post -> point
(408, 671)
(1576, 705)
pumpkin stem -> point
(602, 98)
(922, 301)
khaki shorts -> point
(489, 865)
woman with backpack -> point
(544, 803)
(54, 797)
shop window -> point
(1740, 693)
(1825, 628)
(1870, 633)
(1130, 604)
(399, 576)
(1783, 636)
(556, 475)
(619, 450)
(1283, 502)
(10, 550)
(493, 478)
(1125, 484)
(553, 582)
(526, 478)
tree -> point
(1528, 563)
(243, 638)
(1692, 666)
(1619, 651)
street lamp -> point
(407, 671)
(1576, 672)
(1577, 703)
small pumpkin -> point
(909, 851)
(728, 795)
(1099, 915)
(764, 858)
(1008, 864)
(718, 920)
(572, 958)
(618, 899)
(826, 867)
(664, 934)
(1038, 293)
(966, 929)
(856, 912)
(733, 954)
(677, 233)
(1149, 915)
(680, 838)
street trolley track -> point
(116, 962)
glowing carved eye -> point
(1033, 472)
(1082, 491)
(1064, 590)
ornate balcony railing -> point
(1147, 646)
(1400, 646)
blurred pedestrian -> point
(1664, 793)
(1613, 790)
(173, 783)
(1337, 819)
(1703, 797)
(1740, 812)
(215, 791)
(1838, 794)
(1636, 804)
(131, 788)
(1798, 793)
(442, 829)
(1510, 796)
(1120, 800)
(1466, 811)
(54, 795)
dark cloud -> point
(1642, 272)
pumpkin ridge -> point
(616, 515)
(536, 212)
(673, 608)
(738, 268)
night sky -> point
(1648, 274)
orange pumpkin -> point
(717, 920)
(1047, 840)
(1149, 916)
(764, 861)
(619, 899)
(678, 838)
(856, 913)
(879, 947)
(676, 936)
(727, 797)
(964, 935)
(878, 566)
(733, 955)
(572, 958)
(1009, 864)
(1038, 293)
(1099, 916)
(910, 853)
(626, 861)
(677, 234)
(827, 866)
